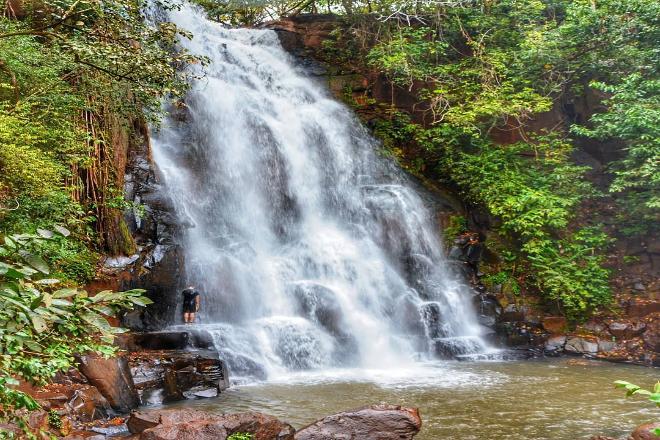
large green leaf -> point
(45, 233)
(37, 262)
(62, 230)
(65, 293)
(39, 323)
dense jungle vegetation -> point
(78, 77)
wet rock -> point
(555, 344)
(186, 431)
(243, 366)
(605, 346)
(519, 334)
(554, 324)
(165, 340)
(382, 422)
(645, 432)
(320, 304)
(488, 310)
(113, 379)
(651, 336)
(199, 425)
(407, 312)
(581, 346)
(638, 308)
(88, 404)
(513, 313)
(449, 348)
(80, 401)
(432, 320)
(626, 329)
(171, 375)
(639, 287)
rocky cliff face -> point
(156, 264)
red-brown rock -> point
(377, 422)
(651, 336)
(638, 308)
(554, 324)
(200, 425)
(645, 432)
(84, 435)
(626, 329)
(203, 430)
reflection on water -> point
(547, 399)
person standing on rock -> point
(190, 304)
(475, 249)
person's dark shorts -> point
(189, 308)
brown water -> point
(543, 399)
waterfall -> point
(309, 249)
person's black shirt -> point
(189, 296)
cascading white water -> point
(310, 250)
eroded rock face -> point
(378, 422)
(199, 425)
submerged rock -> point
(377, 422)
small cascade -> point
(310, 250)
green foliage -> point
(632, 390)
(570, 270)
(457, 225)
(72, 258)
(42, 324)
(241, 436)
(504, 279)
(633, 117)
(54, 419)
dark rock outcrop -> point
(157, 262)
(377, 422)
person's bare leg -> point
(186, 318)
(192, 318)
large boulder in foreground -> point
(184, 424)
(377, 422)
(112, 377)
